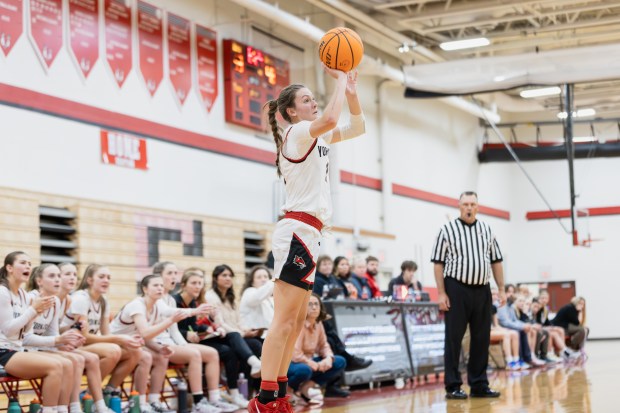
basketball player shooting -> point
(303, 161)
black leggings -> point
(233, 350)
(256, 344)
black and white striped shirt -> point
(467, 251)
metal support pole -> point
(570, 154)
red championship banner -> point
(150, 45)
(179, 56)
(123, 150)
(11, 23)
(118, 44)
(45, 25)
(84, 33)
(206, 59)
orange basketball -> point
(341, 48)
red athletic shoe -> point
(257, 407)
(285, 405)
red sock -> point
(282, 384)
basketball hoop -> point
(582, 227)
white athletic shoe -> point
(204, 407)
(570, 354)
(255, 371)
(225, 407)
(239, 400)
(106, 410)
(315, 394)
(146, 408)
(159, 407)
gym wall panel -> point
(117, 236)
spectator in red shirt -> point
(372, 269)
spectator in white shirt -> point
(256, 306)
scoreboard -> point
(251, 78)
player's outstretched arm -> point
(356, 126)
(329, 118)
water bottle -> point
(115, 402)
(134, 402)
(87, 403)
(14, 406)
(35, 406)
(107, 393)
(242, 385)
(182, 397)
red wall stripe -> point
(29, 99)
(361, 180)
(565, 213)
(444, 200)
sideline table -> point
(403, 339)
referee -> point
(464, 255)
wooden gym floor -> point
(574, 388)
(588, 387)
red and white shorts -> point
(295, 245)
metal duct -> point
(498, 153)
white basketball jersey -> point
(304, 163)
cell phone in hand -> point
(206, 336)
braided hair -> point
(285, 100)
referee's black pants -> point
(469, 304)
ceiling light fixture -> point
(465, 44)
(581, 113)
(583, 139)
(406, 47)
(545, 91)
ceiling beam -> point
(511, 18)
(459, 11)
(555, 28)
(404, 3)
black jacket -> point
(188, 324)
(401, 281)
(321, 280)
(566, 315)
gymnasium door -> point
(560, 294)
